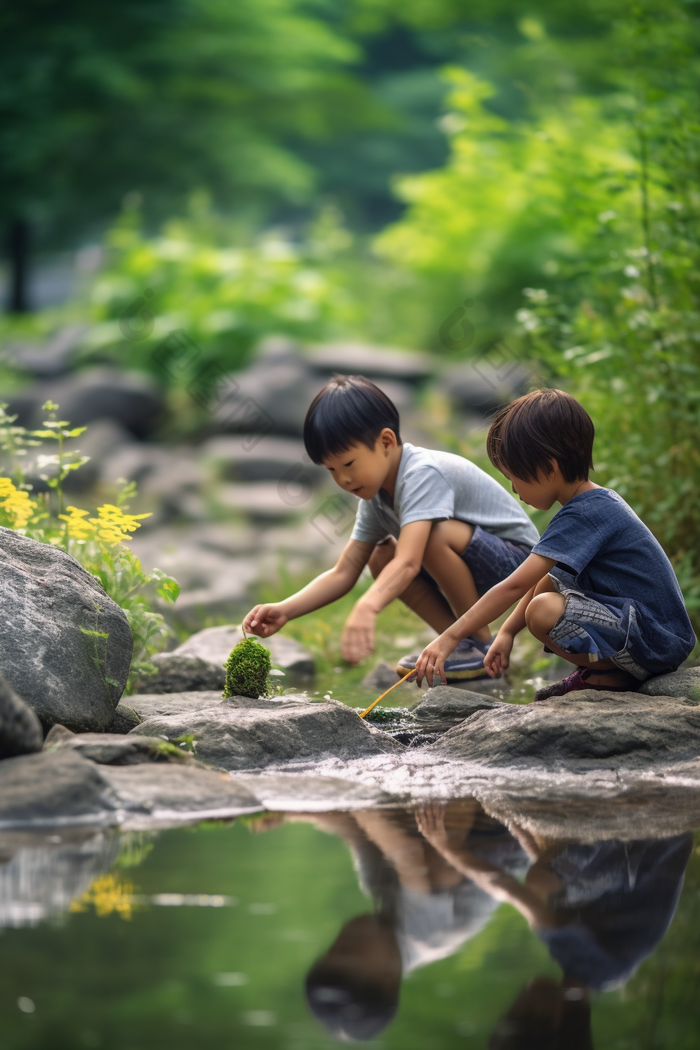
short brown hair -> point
(534, 429)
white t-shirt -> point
(434, 486)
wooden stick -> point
(375, 702)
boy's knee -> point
(542, 613)
(381, 556)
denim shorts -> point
(490, 559)
(595, 630)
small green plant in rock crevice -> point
(247, 669)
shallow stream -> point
(418, 930)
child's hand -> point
(358, 635)
(497, 658)
(431, 661)
(265, 620)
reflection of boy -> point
(435, 529)
(424, 911)
(597, 589)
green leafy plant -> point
(247, 670)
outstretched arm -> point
(489, 607)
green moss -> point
(247, 669)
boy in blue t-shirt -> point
(435, 529)
(597, 588)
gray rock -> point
(179, 673)
(20, 729)
(247, 734)
(214, 644)
(271, 397)
(125, 719)
(64, 789)
(108, 749)
(54, 358)
(149, 796)
(261, 501)
(588, 732)
(268, 459)
(376, 362)
(303, 792)
(382, 676)
(482, 385)
(150, 705)
(46, 790)
(443, 706)
(102, 392)
(48, 605)
(684, 683)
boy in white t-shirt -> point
(435, 529)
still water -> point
(421, 929)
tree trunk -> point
(18, 255)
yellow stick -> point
(375, 702)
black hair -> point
(349, 1007)
(537, 428)
(350, 410)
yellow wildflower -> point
(16, 507)
(111, 526)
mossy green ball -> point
(247, 669)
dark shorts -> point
(490, 559)
(592, 629)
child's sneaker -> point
(466, 661)
(578, 679)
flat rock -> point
(214, 645)
(109, 749)
(446, 705)
(376, 362)
(243, 734)
(684, 683)
(102, 392)
(20, 728)
(265, 459)
(587, 732)
(148, 705)
(306, 793)
(46, 790)
(64, 789)
(50, 609)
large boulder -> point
(20, 729)
(585, 732)
(244, 734)
(101, 392)
(66, 645)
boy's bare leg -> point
(442, 559)
(421, 595)
(543, 611)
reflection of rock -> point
(40, 876)
(50, 609)
(20, 729)
(214, 644)
(254, 734)
(685, 683)
(591, 731)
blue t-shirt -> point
(605, 551)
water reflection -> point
(436, 874)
